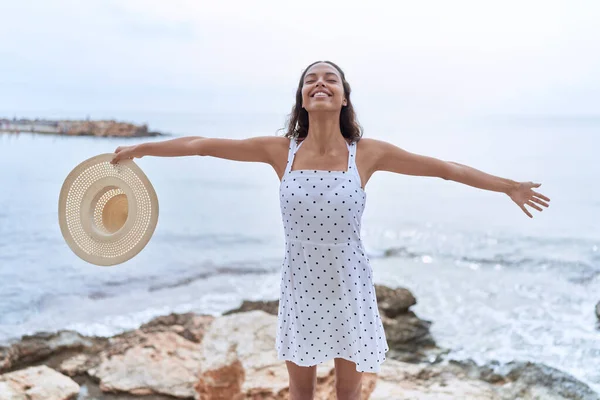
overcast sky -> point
(481, 57)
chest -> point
(321, 190)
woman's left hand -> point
(524, 194)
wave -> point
(583, 270)
(232, 269)
(209, 240)
(209, 269)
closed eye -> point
(329, 80)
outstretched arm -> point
(394, 159)
(255, 149)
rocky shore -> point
(233, 357)
(100, 128)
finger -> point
(540, 195)
(530, 204)
(525, 211)
(539, 201)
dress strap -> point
(291, 153)
(352, 161)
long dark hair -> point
(297, 122)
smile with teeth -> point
(320, 94)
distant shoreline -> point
(97, 128)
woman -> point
(327, 304)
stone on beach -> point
(37, 383)
(160, 363)
(161, 357)
(233, 356)
(33, 348)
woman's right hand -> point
(126, 152)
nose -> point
(319, 84)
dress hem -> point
(375, 370)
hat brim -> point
(86, 190)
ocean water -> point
(495, 284)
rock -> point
(270, 307)
(9, 356)
(234, 357)
(76, 355)
(409, 339)
(525, 380)
(239, 357)
(465, 380)
(394, 302)
(105, 128)
(102, 128)
(189, 325)
(399, 380)
(598, 311)
(37, 383)
(407, 335)
(539, 378)
(78, 364)
(149, 363)
(45, 346)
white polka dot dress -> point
(327, 304)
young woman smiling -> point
(327, 304)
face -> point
(322, 89)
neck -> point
(324, 133)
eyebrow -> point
(327, 73)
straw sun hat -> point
(107, 212)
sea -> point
(496, 284)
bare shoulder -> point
(276, 147)
(274, 141)
(369, 145)
(280, 141)
(369, 151)
(377, 150)
(279, 146)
